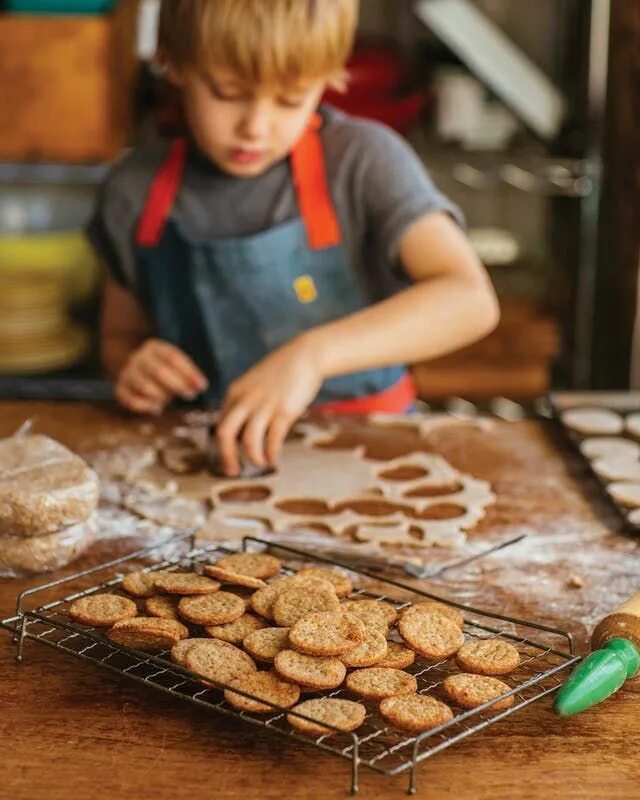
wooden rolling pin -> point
(615, 657)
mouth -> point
(243, 157)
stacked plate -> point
(36, 333)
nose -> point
(256, 121)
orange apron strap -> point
(397, 399)
(314, 198)
(161, 196)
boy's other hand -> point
(263, 404)
(154, 374)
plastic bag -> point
(44, 487)
(20, 556)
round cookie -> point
(161, 606)
(147, 633)
(376, 683)
(265, 686)
(262, 601)
(617, 469)
(234, 578)
(433, 636)
(140, 584)
(627, 494)
(315, 672)
(211, 609)
(254, 565)
(367, 654)
(593, 421)
(430, 607)
(610, 447)
(179, 650)
(235, 632)
(632, 424)
(266, 643)
(301, 599)
(346, 715)
(397, 656)
(327, 633)
(470, 691)
(185, 583)
(338, 579)
(102, 610)
(368, 610)
(488, 657)
(415, 712)
(217, 661)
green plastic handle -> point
(598, 677)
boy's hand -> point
(154, 374)
(263, 404)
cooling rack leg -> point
(20, 637)
(412, 789)
(355, 762)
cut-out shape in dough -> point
(245, 494)
(435, 491)
(407, 473)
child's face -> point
(242, 129)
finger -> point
(253, 437)
(168, 379)
(175, 359)
(137, 403)
(138, 383)
(278, 430)
(227, 432)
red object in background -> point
(378, 74)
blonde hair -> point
(261, 42)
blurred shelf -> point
(33, 172)
(527, 170)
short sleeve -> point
(396, 189)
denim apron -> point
(229, 302)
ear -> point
(169, 71)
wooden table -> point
(70, 730)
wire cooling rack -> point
(376, 744)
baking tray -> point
(623, 404)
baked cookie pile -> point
(272, 642)
(48, 496)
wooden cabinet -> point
(66, 85)
(515, 361)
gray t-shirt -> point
(378, 184)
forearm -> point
(415, 325)
(115, 349)
(123, 327)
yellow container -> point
(66, 256)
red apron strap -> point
(314, 198)
(397, 399)
(161, 196)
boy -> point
(277, 258)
